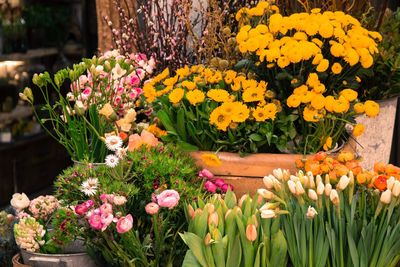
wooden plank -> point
(30, 54)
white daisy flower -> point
(113, 142)
(89, 187)
(121, 152)
(112, 161)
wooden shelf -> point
(30, 54)
(18, 112)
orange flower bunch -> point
(322, 164)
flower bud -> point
(79, 108)
(292, 187)
(311, 212)
(312, 194)
(320, 188)
(251, 232)
(386, 196)
(190, 211)
(268, 182)
(311, 181)
(198, 211)
(213, 219)
(299, 188)
(242, 199)
(208, 240)
(334, 196)
(328, 188)
(278, 173)
(318, 179)
(265, 193)
(267, 214)
(343, 183)
(390, 182)
(396, 188)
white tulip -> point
(396, 188)
(320, 188)
(311, 181)
(299, 188)
(278, 173)
(268, 182)
(328, 188)
(318, 179)
(277, 185)
(390, 182)
(294, 178)
(265, 193)
(343, 183)
(334, 196)
(292, 186)
(312, 194)
(268, 214)
(351, 176)
(386, 196)
(311, 212)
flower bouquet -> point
(104, 96)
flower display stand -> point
(246, 173)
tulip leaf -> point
(278, 250)
(181, 124)
(196, 245)
(230, 199)
(187, 147)
(166, 121)
(190, 260)
(235, 254)
(353, 249)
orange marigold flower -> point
(320, 156)
(380, 182)
(312, 166)
(379, 167)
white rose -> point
(19, 201)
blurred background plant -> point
(7, 243)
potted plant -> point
(104, 96)
(283, 100)
(46, 232)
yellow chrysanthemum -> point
(156, 131)
(253, 94)
(149, 92)
(330, 103)
(326, 30)
(293, 101)
(341, 105)
(195, 97)
(218, 95)
(283, 62)
(371, 108)
(337, 50)
(171, 81)
(240, 112)
(336, 68)
(323, 65)
(318, 101)
(311, 115)
(188, 85)
(211, 160)
(220, 119)
(358, 130)
(328, 143)
(260, 114)
(230, 75)
(176, 95)
(349, 94)
(359, 108)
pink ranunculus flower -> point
(225, 187)
(135, 80)
(106, 220)
(106, 208)
(95, 221)
(206, 174)
(81, 209)
(168, 199)
(210, 187)
(133, 95)
(125, 224)
(103, 198)
(89, 203)
(138, 90)
(152, 208)
(219, 182)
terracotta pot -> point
(246, 173)
(17, 261)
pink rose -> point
(168, 199)
(152, 208)
(225, 187)
(124, 224)
(138, 90)
(120, 90)
(206, 174)
(219, 182)
(210, 187)
(81, 209)
(103, 198)
(135, 80)
(89, 203)
(133, 95)
(95, 221)
(106, 208)
(106, 220)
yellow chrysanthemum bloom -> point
(326, 30)
(328, 143)
(371, 108)
(283, 62)
(220, 119)
(260, 114)
(195, 97)
(341, 105)
(336, 68)
(311, 115)
(319, 89)
(323, 65)
(211, 160)
(359, 108)
(330, 103)
(171, 81)
(183, 72)
(176, 95)
(300, 90)
(253, 94)
(318, 101)
(307, 97)
(358, 130)
(149, 92)
(349, 94)
(240, 112)
(337, 50)
(156, 131)
(219, 95)
(188, 85)
(293, 101)
(271, 110)
(230, 75)
(313, 80)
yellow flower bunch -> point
(238, 98)
(325, 39)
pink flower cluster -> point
(101, 217)
(43, 206)
(166, 199)
(213, 184)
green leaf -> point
(353, 249)
(256, 137)
(278, 250)
(166, 121)
(187, 147)
(235, 255)
(190, 260)
(196, 245)
(181, 124)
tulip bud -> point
(311, 181)
(334, 196)
(294, 178)
(268, 214)
(242, 199)
(213, 219)
(318, 179)
(278, 173)
(343, 183)
(79, 108)
(320, 188)
(312, 194)
(268, 182)
(265, 193)
(327, 179)
(292, 186)
(351, 176)
(190, 211)
(208, 240)
(390, 182)
(396, 188)
(299, 188)
(210, 208)
(311, 212)
(328, 188)
(386, 196)
(251, 232)
(198, 211)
